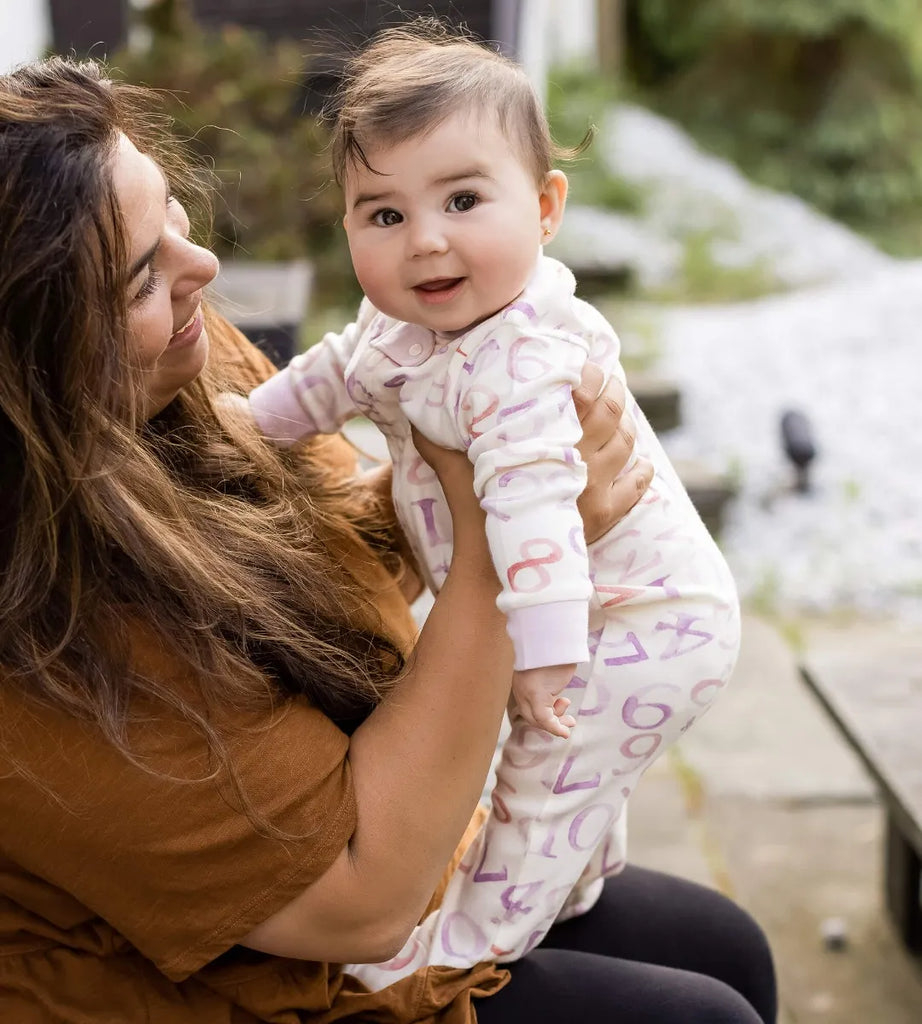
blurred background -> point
(749, 216)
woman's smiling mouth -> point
(189, 332)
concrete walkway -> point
(764, 801)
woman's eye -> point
(387, 218)
(462, 202)
(149, 287)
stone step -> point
(709, 491)
(661, 402)
(659, 398)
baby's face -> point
(446, 230)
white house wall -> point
(25, 30)
(555, 32)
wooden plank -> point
(902, 872)
(871, 685)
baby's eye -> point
(386, 218)
(462, 202)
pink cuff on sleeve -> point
(549, 634)
(277, 411)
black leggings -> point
(654, 950)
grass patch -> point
(851, 490)
(703, 278)
(764, 598)
(765, 601)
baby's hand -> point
(537, 694)
(236, 406)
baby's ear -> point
(552, 199)
(345, 222)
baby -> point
(472, 335)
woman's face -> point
(166, 277)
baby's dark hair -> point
(407, 80)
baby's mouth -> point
(439, 284)
(439, 291)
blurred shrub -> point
(577, 99)
(237, 100)
(823, 99)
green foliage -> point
(237, 100)
(576, 102)
(577, 98)
(821, 99)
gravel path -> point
(845, 347)
(850, 356)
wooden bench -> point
(872, 687)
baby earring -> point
(547, 232)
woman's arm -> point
(420, 759)
(418, 763)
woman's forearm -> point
(418, 763)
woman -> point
(224, 767)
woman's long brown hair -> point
(187, 527)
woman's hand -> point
(606, 447)
(452, 467)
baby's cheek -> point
(367, 268)
(376, 286)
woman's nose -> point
(199, 266)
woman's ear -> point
(552, 198)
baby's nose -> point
(427, 237)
